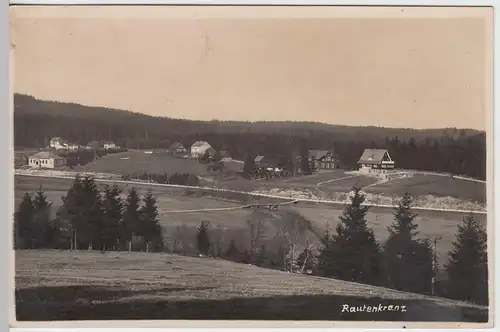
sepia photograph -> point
(252, 163)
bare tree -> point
(293, 233)
(183, 240)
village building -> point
(199, 148)
(46, 159)
(376, 161)
(264, 162)
(109, 145)
(323, 159)
(177, 148)
(58, 143)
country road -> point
(109, 180)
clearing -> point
(434, 185)
(64, 285)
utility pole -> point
(434, 263)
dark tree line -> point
(88, 219)
(443, 150)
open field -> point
(171, 203)
(64, 285)
(139, 162)
(435, 185)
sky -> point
(419, 71)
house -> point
(264, 162)
(58, 143)
(109, 145)
(375, 160)
(46, 159)
(94, 145)
(177, 148)
(199, 148)
(323, 159)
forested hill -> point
(461, 151)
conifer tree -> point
(352, 253)
(23, 223)
(110, 232)
(203, 239)
(249, 164)
(131, 217)
(149, 228)
(467, 268)
(41, 222)
(407, 261)
(232, 253)
(82, 212)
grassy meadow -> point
(65, 285)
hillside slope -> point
(63, 285)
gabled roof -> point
(318, 154)
(373, 156)
(45, 155)
(258, 159)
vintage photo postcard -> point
(218, 164)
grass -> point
(439, 186)
(63, 285)
(139, 162)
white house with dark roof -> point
(199, 148)
(376, 160)
(46, 159)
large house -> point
(199, 148)
(323, 159)
(46, 159)
(375, 160)
(317, 160)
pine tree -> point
(232, 253)
(112, 217)
(305, 165)
(131, 217)
(82, 212)
(203, 239)
(41, 220)
(353, 253)
(23, 223)
(249, 164)
(407, 261)
(149, 228)
(467, 269)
